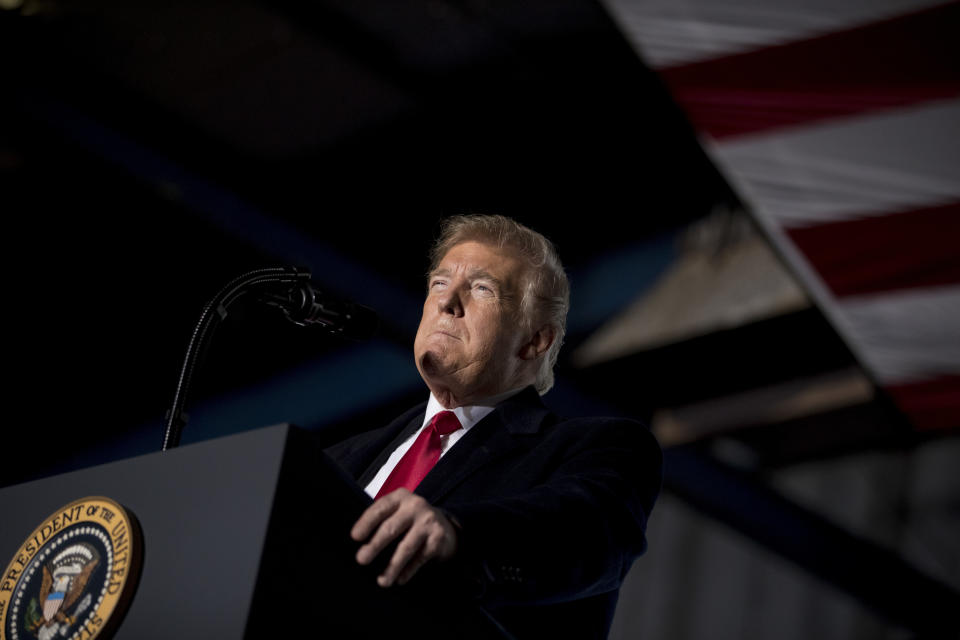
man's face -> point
(471, 334)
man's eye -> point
(437, 284)
(482, 288)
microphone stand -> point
(214, 312)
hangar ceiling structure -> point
(151, 151)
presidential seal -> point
(74, 576)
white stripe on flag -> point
(863, 166)
(673, 32)
(906, 335)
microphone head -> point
(306, 306)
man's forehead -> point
(481, 252)
(480, 258)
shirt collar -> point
(471, 414)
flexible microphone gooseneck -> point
(290, 290)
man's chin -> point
(433, 367)
(440, 374)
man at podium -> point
(544, 514)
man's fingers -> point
(376, 513)
(394, 526)
(424, 532)
(409, 549)
(427, 539)
(411, 569)
(428, 550)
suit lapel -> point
(364, 454)
(495, 436)
(412, 425)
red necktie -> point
(422, 455)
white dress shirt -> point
(468, 416)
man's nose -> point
(451, 303)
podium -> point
(247, 536)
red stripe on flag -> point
(902, 250)
(896, 62)
(932, 404)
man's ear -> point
(539, 343)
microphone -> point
(289, 289)
(307, 306)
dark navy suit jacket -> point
(552, 511)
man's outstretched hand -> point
(425, 534)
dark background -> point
(151, 153)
